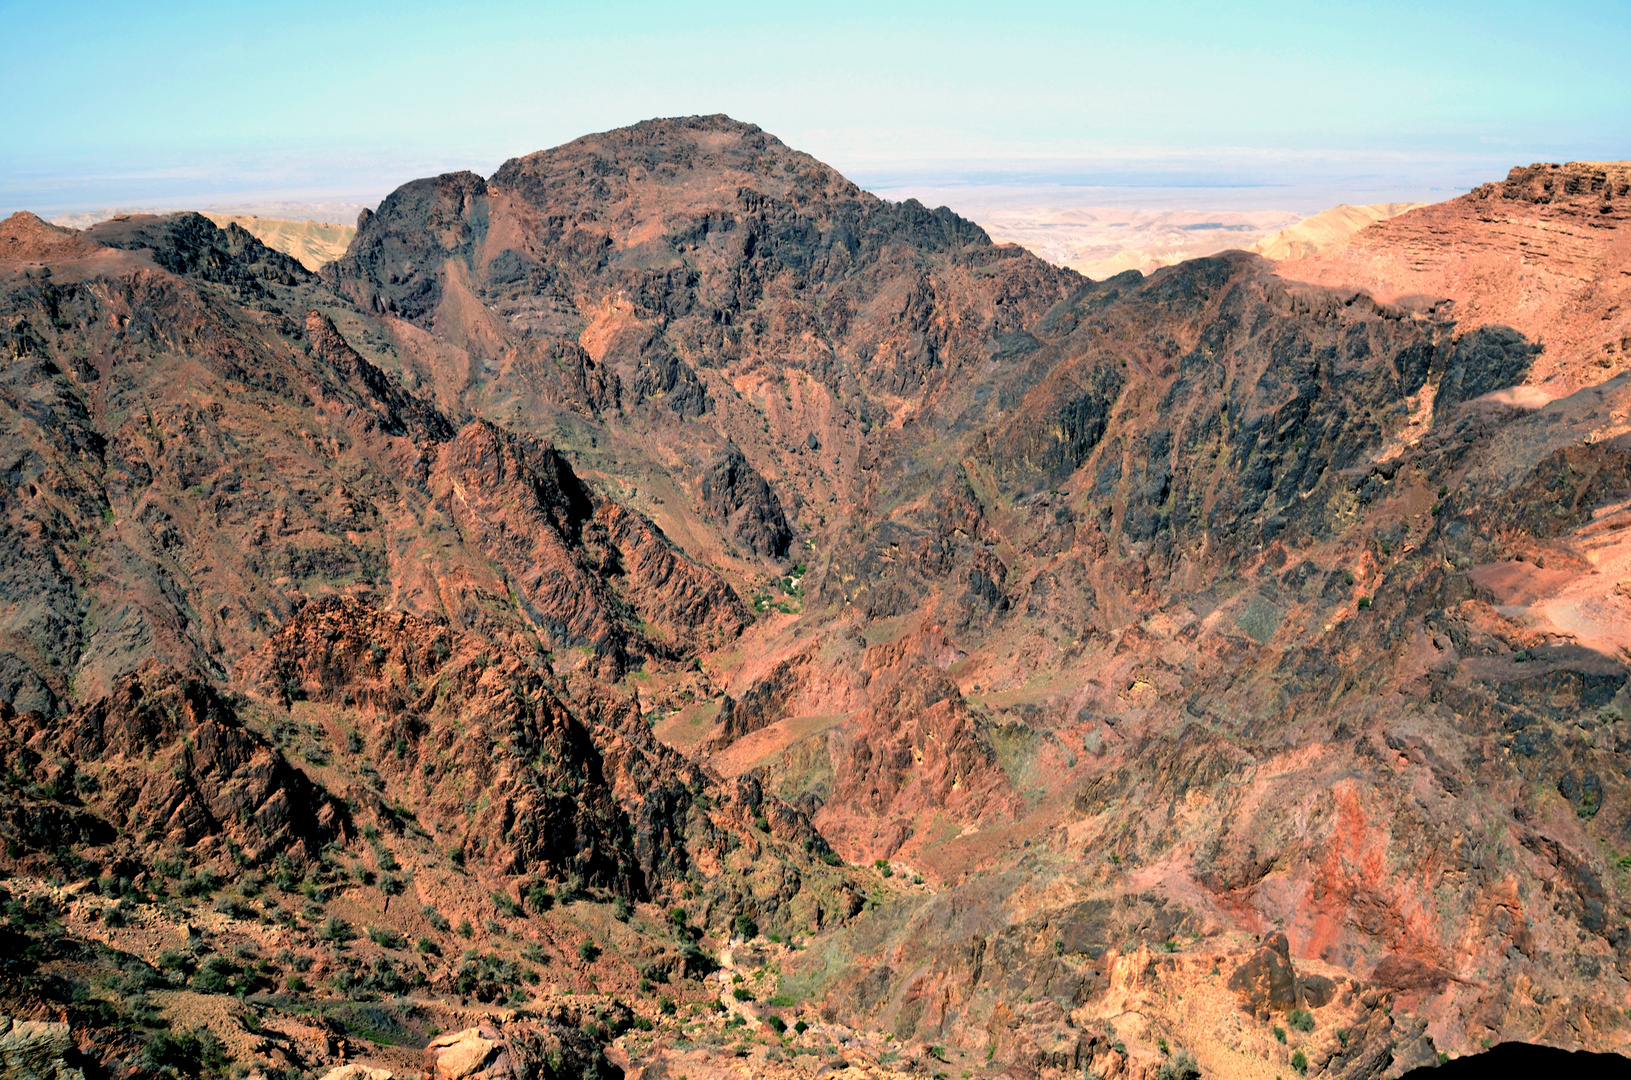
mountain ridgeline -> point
(662, 604)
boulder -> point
(478, 1052)
(358, 1072)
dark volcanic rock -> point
(1490, 358)
(744, 504)
(192, 245)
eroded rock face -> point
(35, 1050)
(1266, 981)
(574, 560)
(165, 763)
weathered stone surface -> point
(35, 1050)
(1266, 980)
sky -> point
(172, 104)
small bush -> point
(1301, 1019)
(883, 867)
(215, 976)
(1279, 1033)
(621, 911)
(384, 937)
(1180, 1066)
(588, 950)
(746, 927)
(337, 930)
(741, 993)
(187, 1054)
(437, 920)
(465, 929)
(777, 1024)
(1364, 603)
(429, 947)
(1299, 1061)
(232, 906)
(666, 1006)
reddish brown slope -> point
(1544, 251)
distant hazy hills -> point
(1312, 235)
(1097, 241)
(312, 242)
(1103, 241)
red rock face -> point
(1213, 649)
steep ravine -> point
(662, 595)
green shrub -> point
(384, 937)
(588, 950)
(1301, 1019)
(214, 975)
(777, 1024)
(1299, 1061)
(746, 927)
(741, 993)
(1280, 1033)
(186, 1054)
(1180, 1066)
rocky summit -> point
(663, 611)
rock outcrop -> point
(744, 505)
(35, 1050)
(543, 1049)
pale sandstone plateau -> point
(663, 611)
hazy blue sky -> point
(147, 103)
